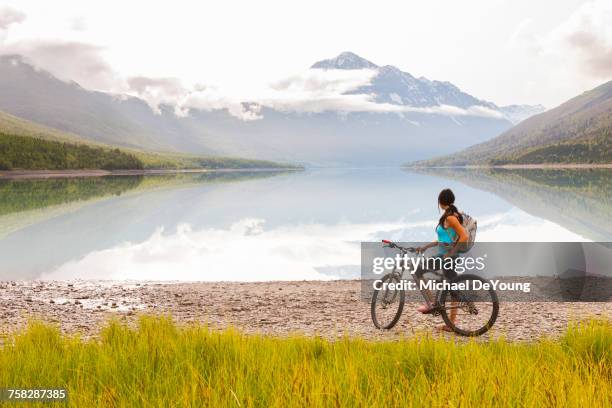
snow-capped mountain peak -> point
(346, 60)
(394, 86)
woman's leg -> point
(429, 298)
(449, 274)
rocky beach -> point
(314, 308)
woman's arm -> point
(453, 222)
(427, 246)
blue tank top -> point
(445, 236)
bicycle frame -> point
(436, 306)
(438, 274)
(446, 298)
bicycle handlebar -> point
(392, 244)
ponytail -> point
(447, 198)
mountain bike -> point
(470, 311)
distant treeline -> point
(595, 150)
(176, 161)
(24, 195)
(28, 153)
(32, 194)
(32, 153)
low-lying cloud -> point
(69, 61)
(314, 91)
(311, 91)
(157, 91)
(587, 35)
(10, 16)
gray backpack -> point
(470, 225)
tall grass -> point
(158, 364)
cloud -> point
(318, 81)
(310, 92)
(10, 16)
(207, 254)
(596, 53)
(214, 99)
(522, 33)
(297, 251)
(313, 91)
(157, 91)
(78, 24)
(355, 103)
(69, 61)
(587, 36)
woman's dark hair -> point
(447, 197)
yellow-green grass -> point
(160, 364)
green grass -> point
(159, 364)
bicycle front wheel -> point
(470, 310)
(387, 302)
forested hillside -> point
(577, 131)
(28, 145)
(23, 152)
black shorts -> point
(449, 273)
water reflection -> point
(305, 225)
(578, 199)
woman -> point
(450, 235)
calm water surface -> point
(265, 226)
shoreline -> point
(552, 166)
(45, 174)
(327, 309)
(49, 174)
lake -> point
(275, 226)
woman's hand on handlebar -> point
(426, 247)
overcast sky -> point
(503, 51)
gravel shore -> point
(327, 309)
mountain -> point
(13, 125)
(423, 128)
(391, 85)
(35, 95)
(577, 131)
(26, 145)
(577, 199)
(518, 113)
(346, 60)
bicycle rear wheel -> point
(387, 303)
(471, 310)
